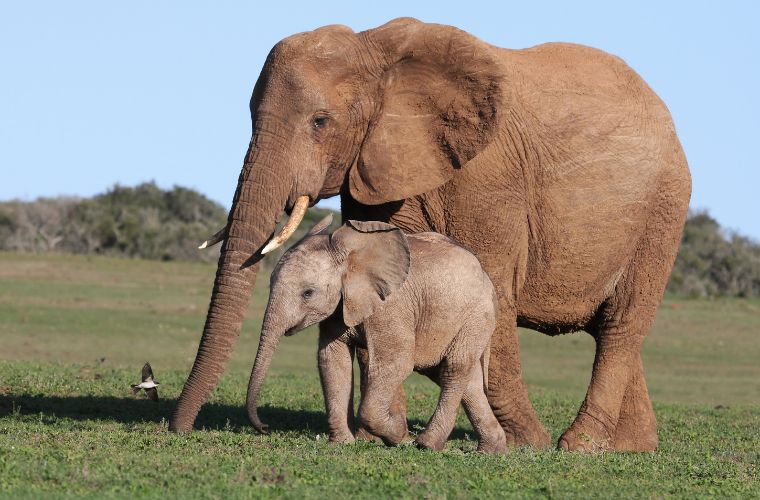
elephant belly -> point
(585, 240)
(560, 248)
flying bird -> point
(148, 383)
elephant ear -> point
(321, 226)
(439, 98)
(377, 264)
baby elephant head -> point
(361, 265)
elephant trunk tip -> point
(182, 419)
(179, 427)
(260, 426)
(178, 430)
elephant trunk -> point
(270, 338)
(260, 197)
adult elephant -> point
(556, 165)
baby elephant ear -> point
(376, 255)
(321, 226)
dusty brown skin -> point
(557, 166)
(418, 303)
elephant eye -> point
(308, 293)
(319, 121)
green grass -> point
(70, 426)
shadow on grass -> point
(213, 416)
(132, 411)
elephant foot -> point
(365, 435)
(636, 443)
(493, 446)
(390, 428)
(426, 441)
(587, 434)
(341, 438)
(396, 438)
(582, 441)
(636, 435)
(391, 435)
(531, 434)
(491, 438)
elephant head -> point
(361, 265)
(384, 114)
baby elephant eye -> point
(307, 294)
(319, 121)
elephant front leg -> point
(376, 412)
(336, 373)
(398, 405)
(507, 393)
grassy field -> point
(75, 331)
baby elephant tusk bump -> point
(296, 216)
(216, 238)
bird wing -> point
(147, 373)
(152, 393)
(135, 389)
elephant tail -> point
(484, 361)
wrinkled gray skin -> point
(416, 302)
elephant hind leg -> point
(454, 378)
(617, 412)
(617, 389)
(491, 437)
(636, 428)
(617, 383)
(594, 426)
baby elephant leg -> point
(491, 437)
(398, 406)
(375, 408)
(453, 379)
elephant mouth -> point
(296, 215)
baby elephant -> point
(415, 302)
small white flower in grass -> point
(318, 437)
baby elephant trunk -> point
(267, 345)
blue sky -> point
(95, 93)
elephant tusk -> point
(296, 216)
(216, 238)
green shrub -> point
(144, 221)
(713, 262)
